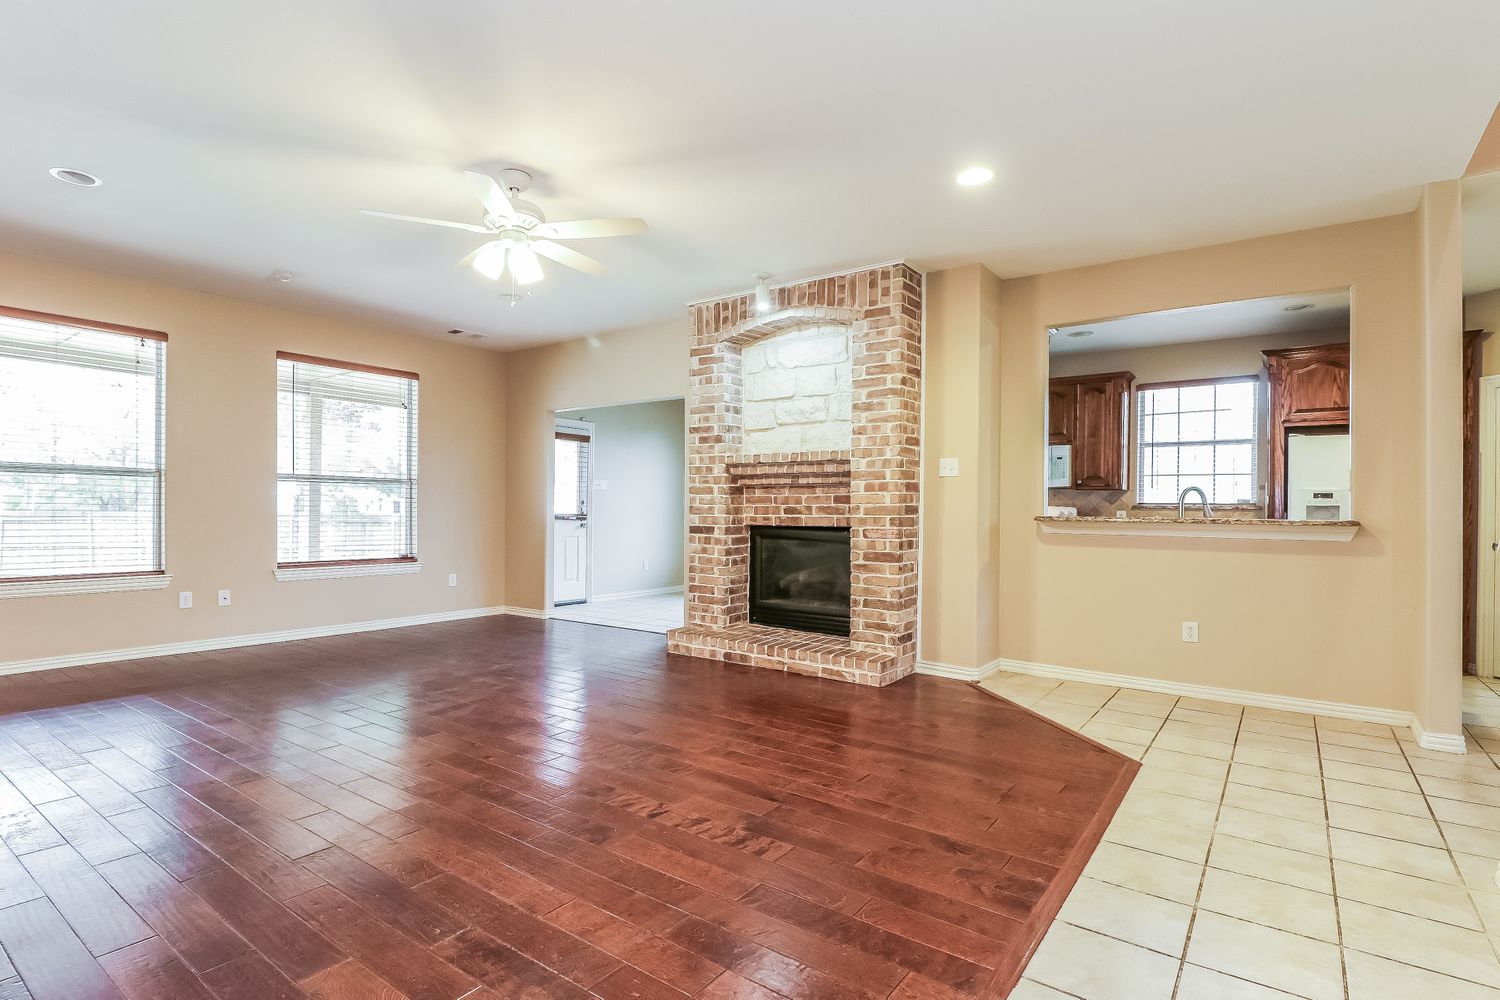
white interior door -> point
(570, 515)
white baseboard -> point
(971, 674)
(625, 595)
(254, 639)
(1448, 742)
(526, 612)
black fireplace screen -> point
(799, 578)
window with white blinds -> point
(570, 474)
(1198, 433)
(81, 448)
(346, 463)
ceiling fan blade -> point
(468, 227)
(496, 201)
(588, 229)
(524, 266)
(488, 260)
(567, 256)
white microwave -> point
(1059, 466)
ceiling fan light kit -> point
(519, 232)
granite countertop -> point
(1164, 519)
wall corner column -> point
(1439, 682)
(960, 514)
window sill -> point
(85, 585)
(1198, 527)
(288, 573)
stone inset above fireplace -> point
(798, 391)
(860, 330)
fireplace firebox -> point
(799, 578)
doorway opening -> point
(619, 515)
(571, 443)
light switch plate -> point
(947, 467)
(453, 579)
(185, 600)
(601, 484)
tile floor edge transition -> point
(1009, 972)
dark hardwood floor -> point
(506, 808)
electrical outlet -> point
(601, 484)
(185, 600)
(453, 579)
(645, 565)
(947, 467)
(1189, 631)
(223, 598)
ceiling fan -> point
(521, 232)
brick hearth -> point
(872, 488)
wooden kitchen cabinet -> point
(1092, 414)
(1309, 388)
(1062, 407)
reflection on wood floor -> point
(504, 807)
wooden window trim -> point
(1189, 382)
(324, 563)
(67, 577)
(83, 324)
(570, 436)
(308, 359)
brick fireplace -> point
(807, 416)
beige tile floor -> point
(651, 613)
(1262, 855)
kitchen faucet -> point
(1182, 502)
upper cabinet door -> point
(1101, 433)
(1062, 409)
(1310, 385)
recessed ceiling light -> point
(281, 276)
(1080, 333)
(974, 176)
(76, 177)
(1296, 308)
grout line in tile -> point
(1333, 874)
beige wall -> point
(1487, 153)
(638, 524)
(629, 367)
(1340, 622)
(221, 471)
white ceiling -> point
(1220, 321)
(1481, 196)
(796, 138)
